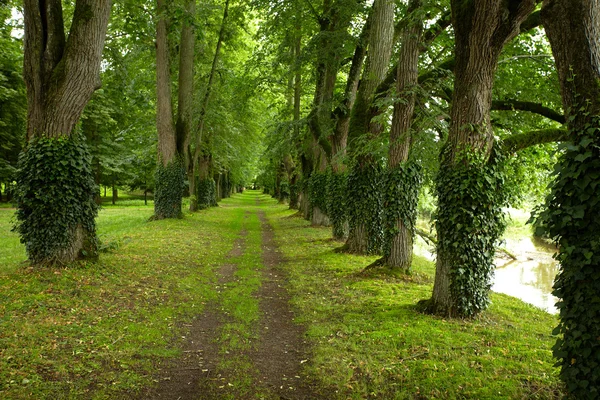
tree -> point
(170, 172)
(403, 178)
(469, 219)
(572, 217)
(13, 102)
(363, 182)
(55, 218)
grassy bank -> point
(102, 330)
(370, 341)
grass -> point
(101, 330)
(370, 341)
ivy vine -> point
(55, 198)
(470, 221)
(170, 183)
(317, 191)
(572, 219)
(337, 187)
(284, 191)
(401, 199)
(206, 193)
(364, 203)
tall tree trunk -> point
(573, 27)
(61, 75)
(398, 249)
(362, 216)
(201, 149)
(167, 138)
(169, 176)
(186, 79)
(337, 184)
(482, 27)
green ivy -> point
(284, 191)
(401, 199)
(337, 186)
(364, 203)
(55, 197)
(170, 183)
(572, 219)
(470, 222)
(294, 194)
(317, 191)
(207, 193)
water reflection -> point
(530, 277)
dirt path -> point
(281, 347)
(277, 351)
(194, 375)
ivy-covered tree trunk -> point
(55, 217)
(403, 180)
(572, 217)
(338, 180)
(364, 209)
(469, 217)
(170, 173)
(201, 147)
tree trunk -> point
(115, 194)
(482, 27)
(573, 28)
(186, 79)
(201, 146)
(167, 138)
(169, 177)
(400, 237)
(61, 73)
(380, 46)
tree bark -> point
(361, 125)
(401, 246)
(201, 148)
(573, 28)
(186, 79)
(167, 138)
(482, 28)
(61, 73)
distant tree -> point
(13, 101)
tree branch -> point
(521, 141)
(536, 108)
(531, 22)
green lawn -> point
(100, 330)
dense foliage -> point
(55, 198)
(317, 191)
(365, 203)
(206, 193)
